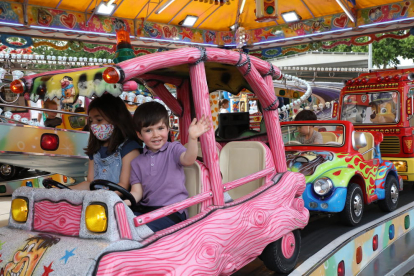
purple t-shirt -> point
(161, 175)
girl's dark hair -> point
(223, 101)
(148, 114)
(306, 115)
(114, 111)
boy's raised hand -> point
(197, 128)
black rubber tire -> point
(391, 187)
(348, 215)
(11, 171)
(274, 260)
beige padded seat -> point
(328, 137)
(240, 159)
(340, 139)
(370, 144)
(193, 182)
(199, 153)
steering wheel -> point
(294, 143)
(50, 183)
(109, 185)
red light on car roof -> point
(49, 141)
(357, 81)
(364, 80)
(341, 268)
(397, 77)
(17, 86)
(380, 79)
(111, 75)
(349, 82)
(388, 78)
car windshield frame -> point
(330, 145)
(345, 104)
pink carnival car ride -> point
(94, 232)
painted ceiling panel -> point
(211, 16)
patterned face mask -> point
(102, 132)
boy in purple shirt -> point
(157, 176)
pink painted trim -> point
(263, 90)
(208, 145)
(122, 220)
(183, 95)
(167, 210)
(241, 181)
(165, 79)
(57, 217)
(288, 245)
(143, 64)
(165, 95)
(205, 186)
(201, 245)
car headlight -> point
(96, 218)
(401, 166)
(20, 209)
(322, 186)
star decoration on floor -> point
(48, 269)
(68, 254)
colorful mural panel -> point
(76, 21)
(11, 12)
(297, 29)
(386, 13)
(177, 33)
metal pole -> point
(43, 109)
(370, 56)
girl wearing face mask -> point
(112, 144)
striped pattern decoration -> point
(261, 89)
(183, 96)
(208, 140)
(221, 242)
(269, 162)
(165, 79)
(65, 218)
(205, 180)
(122, 220)
(275, 132)
(162, 92)
(143, 64)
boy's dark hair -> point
(148, 114)
(306, 115)
(69, 78)
(80, 109)
(114, 111)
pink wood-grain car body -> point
(220, 236)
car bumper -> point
(409, 174)
(334, 204)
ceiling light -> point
(189, 21)
(346, 10)
(163, 7)
(291, 16)
(105, 8)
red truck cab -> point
(383, 101)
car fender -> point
(340, 176)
